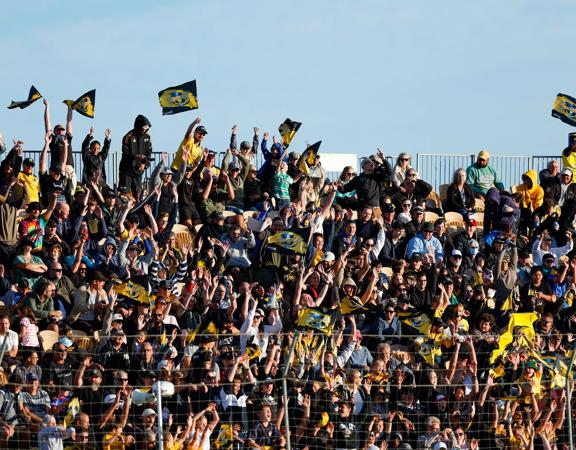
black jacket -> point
(368, 187)
(136, 148)
(454, 199)
(92, 162)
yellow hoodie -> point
(531, 198)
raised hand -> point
(107, 133)
(91, 132)
(256, 131)
(235, 129)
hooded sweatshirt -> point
(532, 196)
(135, 143)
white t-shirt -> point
(12, 340)
(196, 439)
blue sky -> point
(418, 76)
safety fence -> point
(156, 392)
(434, 168)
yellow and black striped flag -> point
(565, 109)
(33, 95)
(308, 157)
(177, 99)
(288, 130)
(84, 105)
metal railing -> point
(435, 168)
(439, 169)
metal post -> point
(285, 390)
(3, 350)
(569, 399)
(160, 419)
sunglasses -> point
(121, 379)
(404, 159)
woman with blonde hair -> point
(402, 165)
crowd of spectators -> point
(353, 313)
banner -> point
(33, 95)
(84, 105)
(288, 242)
(565, 109)
(288, 130)
(308, 157)
(177, 99)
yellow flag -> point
(288, 130)
(71, 411)
(312, 318)
(429, 351)
(33, 95)
(252, 352)
(225, 437)
(520, 326)
(133, 291)
(177, 99)
(84, 105)
(349, 305)
(418, 321)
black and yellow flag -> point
(133, 291)
(84, 105)
(351, 305)
(420, 322)
(287, 243)
(33, 95)
(225, 437)
(177, 99)
(288, 130)
(312, 318)
(565, 109)
(308, 157)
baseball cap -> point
(162, 365)
(483, 155)
(416, 256)
(95, 373)
(59, 127)
(116, 317)
(234, 166)
(31, 377)
(166, 171)
(328, 256)
(28, 162)
(201, 129)
(472, 222)
(428, 226)
(388, 208)
(439, 445)
(216, 215)
(33, 206)
(456, 253)
(148, 412)
(66, 341)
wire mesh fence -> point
(305, 389)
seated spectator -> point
(481, 177)
(460, 196)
